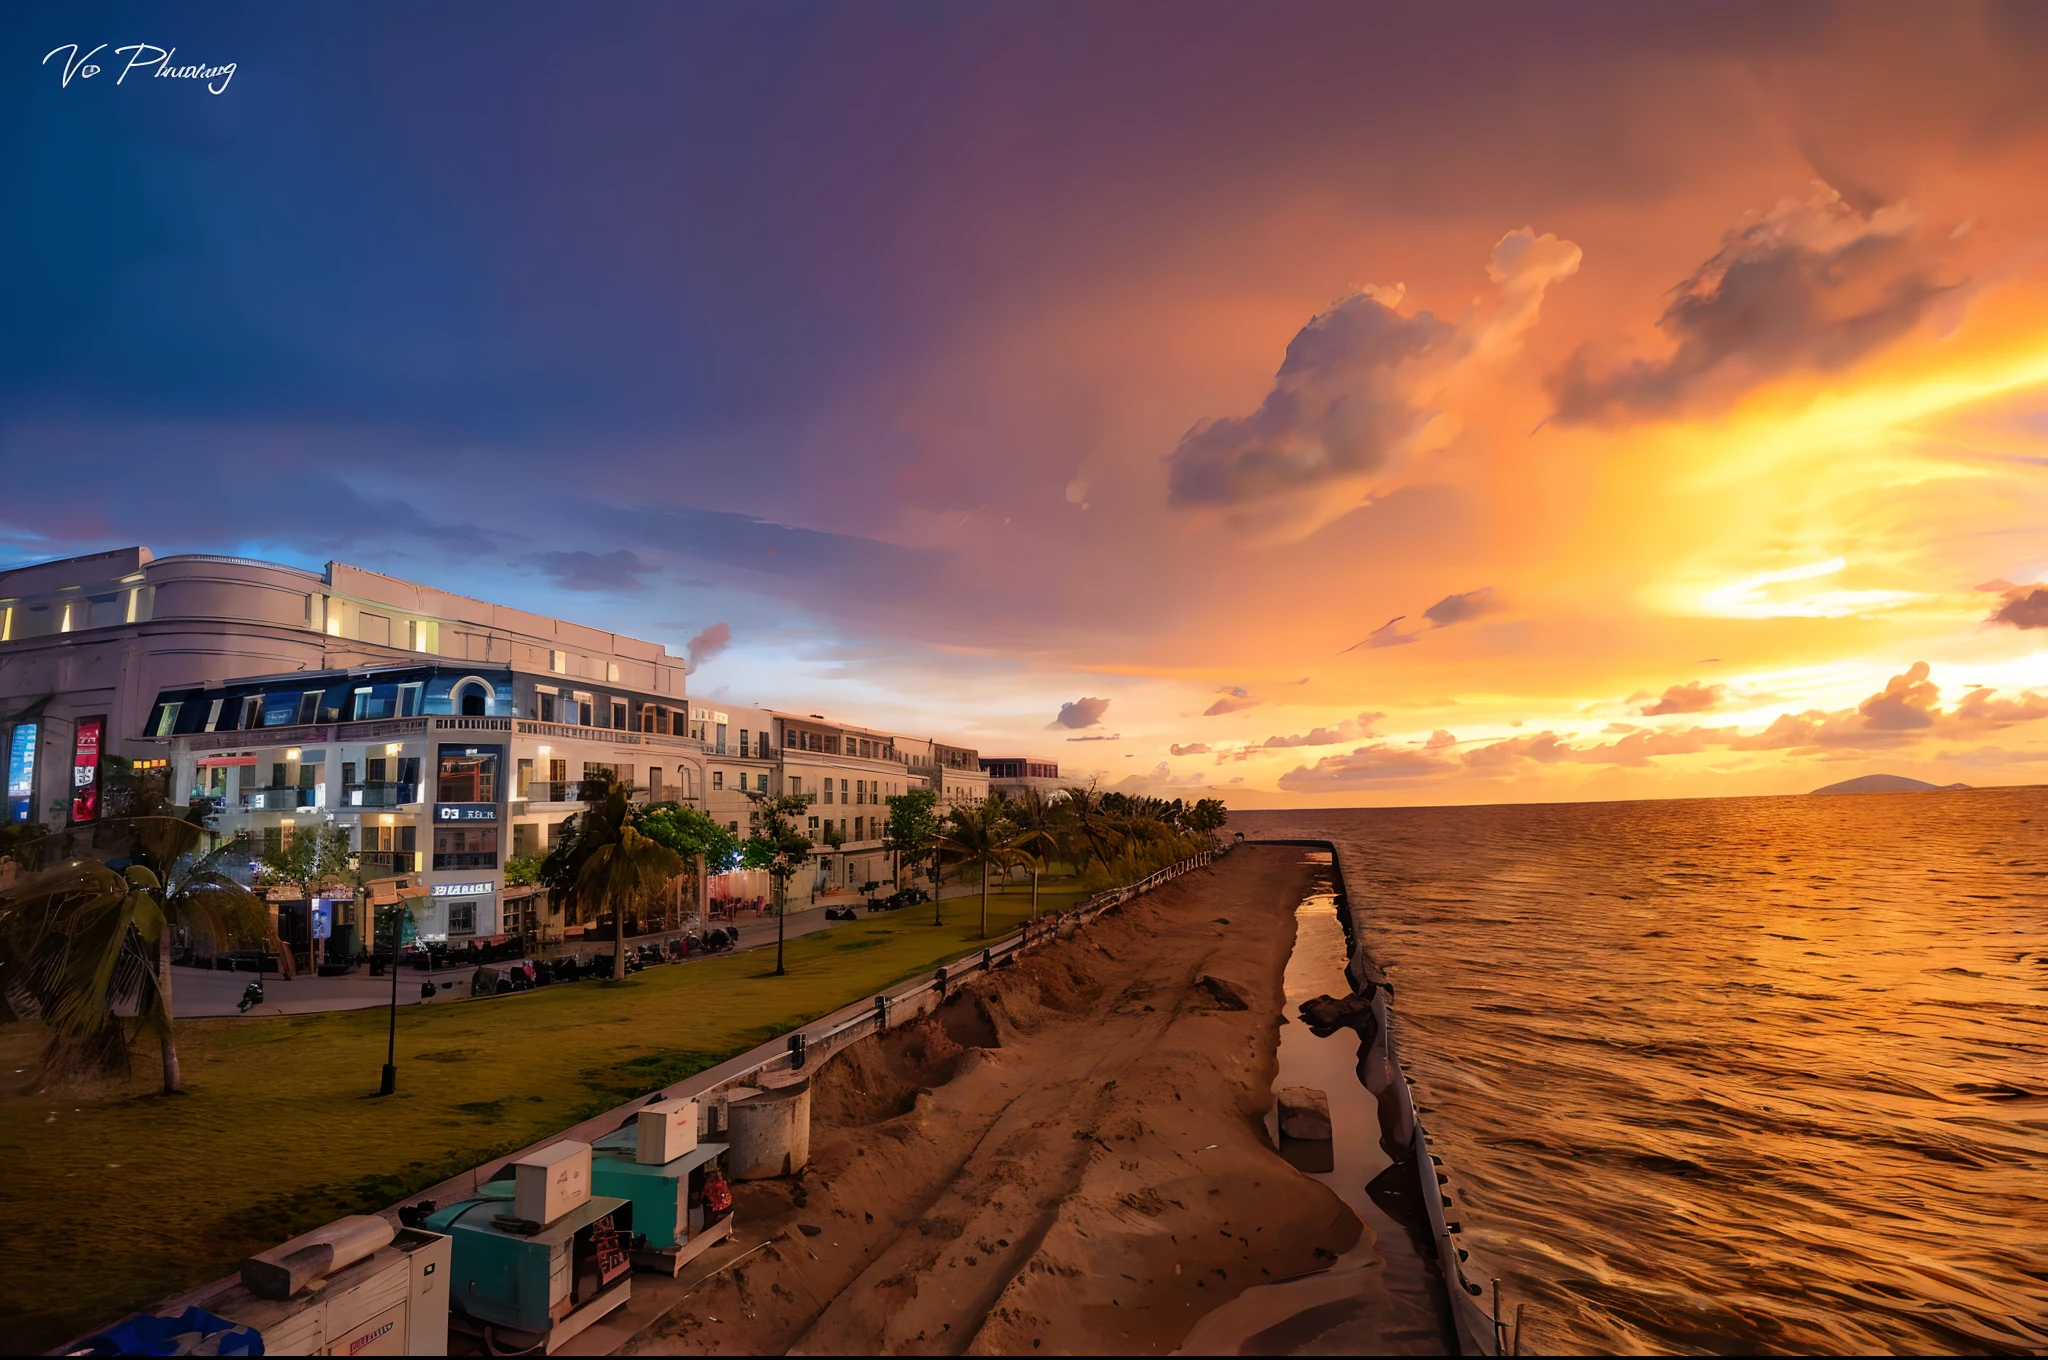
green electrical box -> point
(515, 1274)
(670, 1212)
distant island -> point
(1888, 783)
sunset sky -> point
(1320, 404)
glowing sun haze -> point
(1319, 404)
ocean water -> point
(1713, 1075)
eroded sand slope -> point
(1068, 1157)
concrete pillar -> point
(770, 1134)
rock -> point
(809, 1229)
(1224, 994)
(1304, 1113)
(1327, 1014)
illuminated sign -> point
(21, 773)
(465, 812)
(463, 889)
(85, 769)
(323, 918)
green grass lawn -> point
(119, 1199)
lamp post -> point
(389, 1086)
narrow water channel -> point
(1382, 1297)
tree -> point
(603, 861)
(778, 845)
(974, 834)
(913, 834)
(315, 857)
(693, 835)
(1208, 816)
(1094, 830)
(1035, 820)
(81, 941)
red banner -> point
(85, 769)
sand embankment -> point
(1069, 1156)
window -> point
(469, 774)
(828, 790)
(169, 722)
(743, 743)
(842, 794)
(814, 823)
(547, 706)
(733, 826)
(380, 769)
(252, 713)
(474, 701)
(409, 700)
(654, 782)
(796, 785)
(409, 770)
(860, 828)
(462, 918)
(522, 786)
(721, 738)
(618, 716)
(465, 847)
(309, 706)
(558, 662)
(718, 779)
(213, 714)
(580, 711)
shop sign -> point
(462, 889)
(465, 812)
(21, 773)
(85, 769)
(323, 918)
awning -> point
(207, 762)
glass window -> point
(618, 716)
(796, 784)
(523, 787)
(465, 847)
(828, 790)
(743, 743)
(469, 774)
(814, 823)
(409, 700)
(461, 918)
(718, 779)
(309, 706)
(547, 708)
(169, 721)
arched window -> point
(472, 699)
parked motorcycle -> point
(252, 995)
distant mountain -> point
(1887, 783)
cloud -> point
(1342, 404)
(1351, 729)
(1694, 696)
(1195, 748)
(1458, 608)
(1080, 713)
(1359, 387)
(1383, 636)
(1813, 284)
(709, 643)
(617, 570)
(1907, 702)
(2024, 607)
(1978, 709)
(1234, 700)
(1116, 737)
(1367, 765)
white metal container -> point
(668, 1129)
(551, 1182)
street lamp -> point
(389, 1086)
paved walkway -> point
(198, 992)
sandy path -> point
(1069, 1156)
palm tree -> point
(1036, 820)
(82, 941)
(1094, 827)
(624, 872)
(974, 835)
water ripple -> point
(1761, 1074)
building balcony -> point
(377, 794)
(277, 799)
(388, 861)
(466, 860)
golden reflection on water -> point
(1757, 1074)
